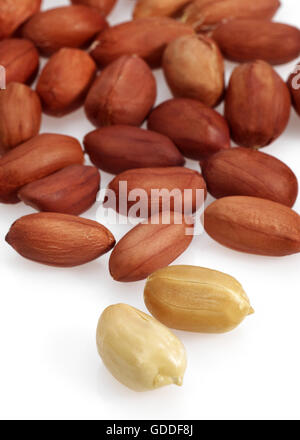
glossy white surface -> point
(49, 366)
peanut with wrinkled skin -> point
(150, 246)
(68, 26)
(71, 190)
(246, 172)
(124, 93)
(176, 179)
(197, 130)
(254, 225)
(65, 81)
(20, 115)
(37, 158)
(59, 240)
(206, 15)
(249, 40)
(14, 13)
(272, 99)
(144, 37)
(20, 59)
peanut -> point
(196, 299)
(140, 352)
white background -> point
(49, 366)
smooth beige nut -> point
(196, 299)
(194, 68)
(139, 351)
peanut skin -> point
(197, 130)
(68, 26)
(206, 15)
(124, 93)
(65, 81)
(243, 112)
(249, 40)
(176, 179)
(119, 148)
(245, 172)
(71, 190)
(20, 115)
(144, 37)
(59, 240)
(13, 14)
(149, 247)
(20, 59)
(35, 159)
(253, 225)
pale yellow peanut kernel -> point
(139, 351)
